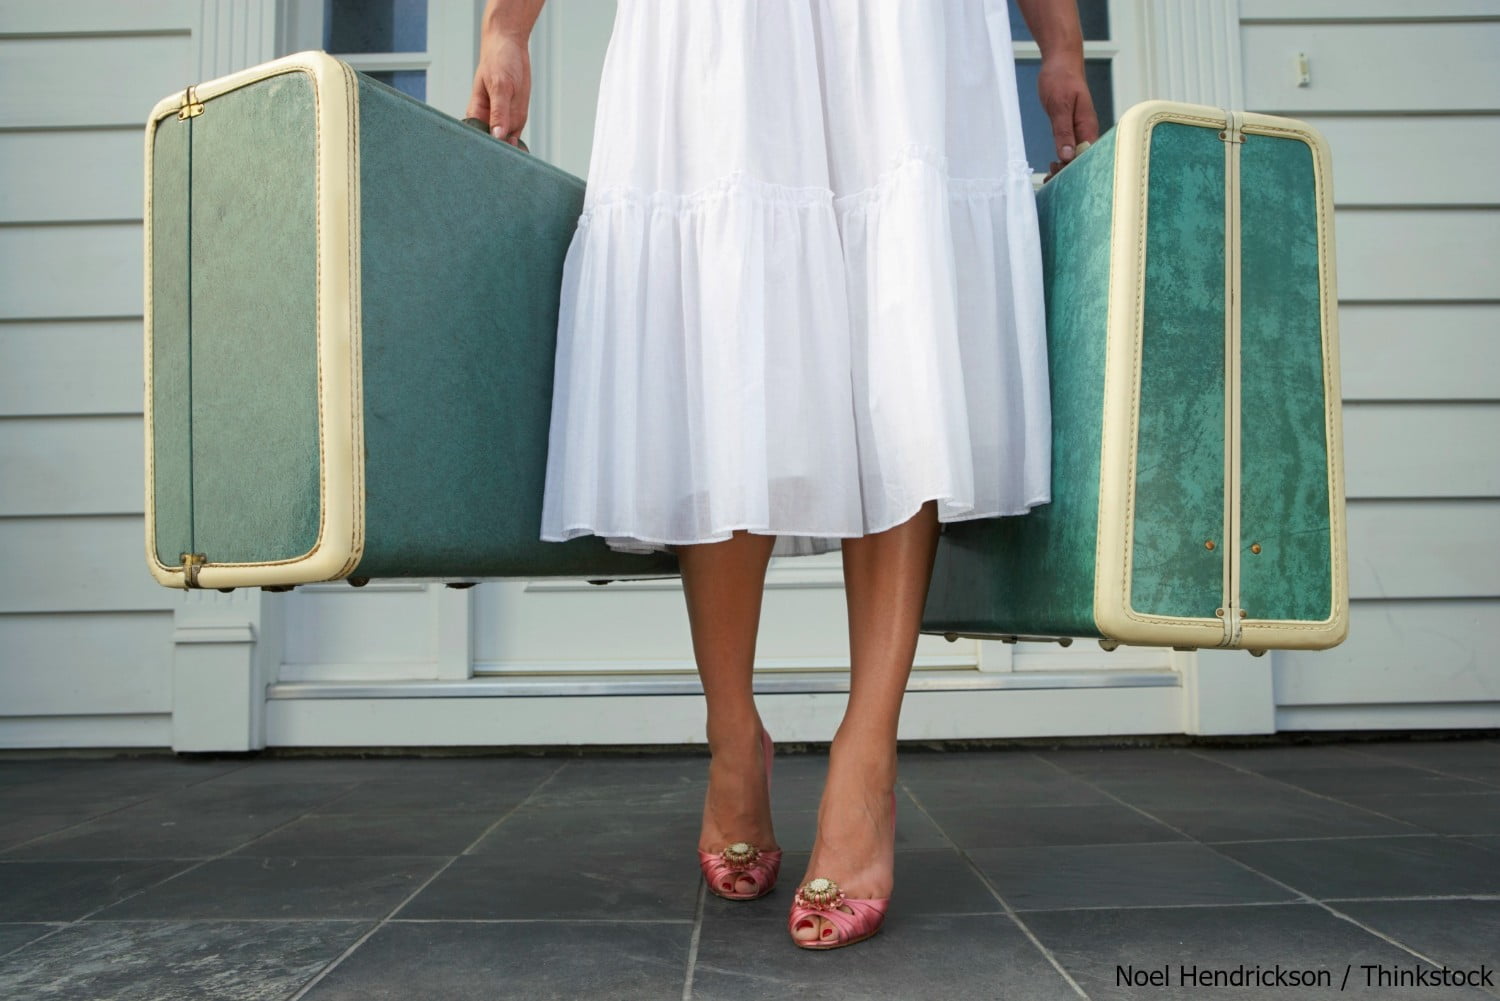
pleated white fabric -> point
(805, 293)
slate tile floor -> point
(1022, 872)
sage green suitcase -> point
(1197, 484)
(351, 310)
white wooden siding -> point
(1437, 351)
(1408, 96)
(85, 634)
(1373, 67)
(71, 367)
(88, 175)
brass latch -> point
(191, 106)
(191, 564)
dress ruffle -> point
(778, 359)
(804, 296)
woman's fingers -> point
(1064, 93)
(502, 87)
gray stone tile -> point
(1013, 782)
(915, 831)
(1296, 757)
(1155, 875)
(1354, 784)
(1467, 814)
(543, 961)
(1196, 791)
(285, 801)
(1094, 945)
(1293, 817)
(18, 828)
(374, 834)
(176, 961)
(997, 827)
(160, 771)
(1374, 867)
(78, 800)
(66, 891)
(387, 768)
(1458, 933)
(628, 784)
(748, 955)
(428, 795)
(1133, 761)
(1464, 758)
(645, 866)
(927, 882)
(139, 832)
(15, 935)
(250, 888)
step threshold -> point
(679, 684)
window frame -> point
(448, 61)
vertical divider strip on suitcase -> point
(190, 563)
(1233, 136)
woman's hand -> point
(502, 86)
(502, 81)
(1065, 97)
(1061, 84)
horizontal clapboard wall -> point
(1408, 96)
(86, 635)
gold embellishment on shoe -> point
(821, 894)
(740, 855)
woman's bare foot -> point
(737, 806)
(855, 846)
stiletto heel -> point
(822, 898)
(743, 860)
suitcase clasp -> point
(191, 564)
(191, 107)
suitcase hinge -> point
(191, 564)
(1234, 127)
(191, 107)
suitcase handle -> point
(482, 127)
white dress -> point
(805, 293)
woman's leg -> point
(886, 576)
(723, 583)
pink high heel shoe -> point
(822, 898)
(724, 869)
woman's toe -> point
(809, 928)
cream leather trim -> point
(1113, 614)
(340, 542)
(1233, 139)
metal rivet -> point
(1209, 544)
(1219, 612)
(1244, 613)
(1255, 548)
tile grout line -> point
(1306, 897)
(693, 940)
(1009, 911)
(329, 967)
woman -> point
(802, 308)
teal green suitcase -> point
(1197, 484)
(350, 314)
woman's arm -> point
(1063, 89)
(502, 81)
